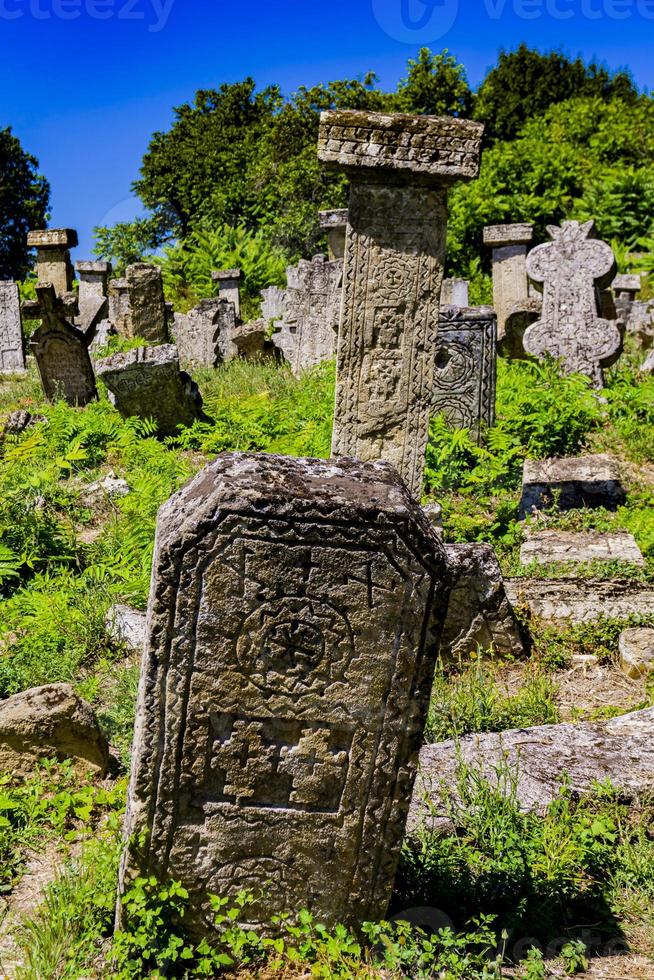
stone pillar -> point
(119, 307)
(455, 292)
(53, 256)
(293, 627)
(510, 283)
(92, 294)
(12, 354)
(464, 378)
(147, 306)
(400, 168)
(335, 224)
(229, 285)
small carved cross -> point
(50, 308)
(315, 769)
(247, 760)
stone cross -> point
(400, 168)
(510, 283)
(53, 256)
(61, 350)
(572, 267)
(311, 308)
(335, 224)
(229, 285)
(464, 377)
(203, 335)
(293, 626)
(455, 292)
(92, 294)
(147, 383)
(147, 307)
(12, 354)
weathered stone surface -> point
(571, 482)
(399, 167)
(520, 316)
(102, 333)
(636, 650)
(147, 307)
(127, 626)
(647, 367)
(293, 626)
(197, 333)
(119, 312)
(454, 292)
(335, 224)
(53, 257)
(229, 283)
(510, 283)
(465, 368)
(626, 286)
(148, 383)
(61, 353)
(12, 354)
(93, 295)
(309, 324)
(640, 323)
(479, 613)
(252, 340)
(109, 487)
(434, 513)
(272, 305)
(50, 722)
(572, 267)
(620, 750)
(580, 600)
(20, 420)
(577, 547)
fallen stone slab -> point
(620, 750)
(50, 722)
(636, 650)
(126, 625)
(571, 482)
(576, 547)
(479, 613)
(580, 600)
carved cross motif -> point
(315, 769)
(247, 760)
(50, 308)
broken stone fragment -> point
(580, 600)
(571, 482)
(636, 651)
(50, 722)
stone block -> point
(465, 368)
(577, 547)
(580, 600)
(12, 354)
(454, 292)
(127, 626)
(571, 481)
(636, 651)
(292, 632)
(147, 308)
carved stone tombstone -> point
(510, 284)
(12, 355)
(53, 256)
(197, 334)
(61, 352)
(147, 383)
(119, 307)
(335, 224)
(465, 372)
(294, 620)
(572, 267)
(147, 308)
(310, 312)
(92, 294)
(229, 281)
(399, 167)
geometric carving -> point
(464, 376)
(293, 624)
(572, 267)
(12, 357)
(310, 311)
(61, 352)
(399, 167)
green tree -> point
(435, 85)
(24, 201)
(525, 83)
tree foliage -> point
(24, 200)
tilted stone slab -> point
(580, 600)
(620, 750)
(12, 354)
(399, 167)
(147, 383)
(147, 307)
(61, 352)
(93, 295)
(293, 626)
(577, 547)
(572, 267)
(571, 481)
(465, 368)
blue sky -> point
(84, 83)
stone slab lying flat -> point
(580, 600)
(554, 547)
(620, 749)
(572, 481)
